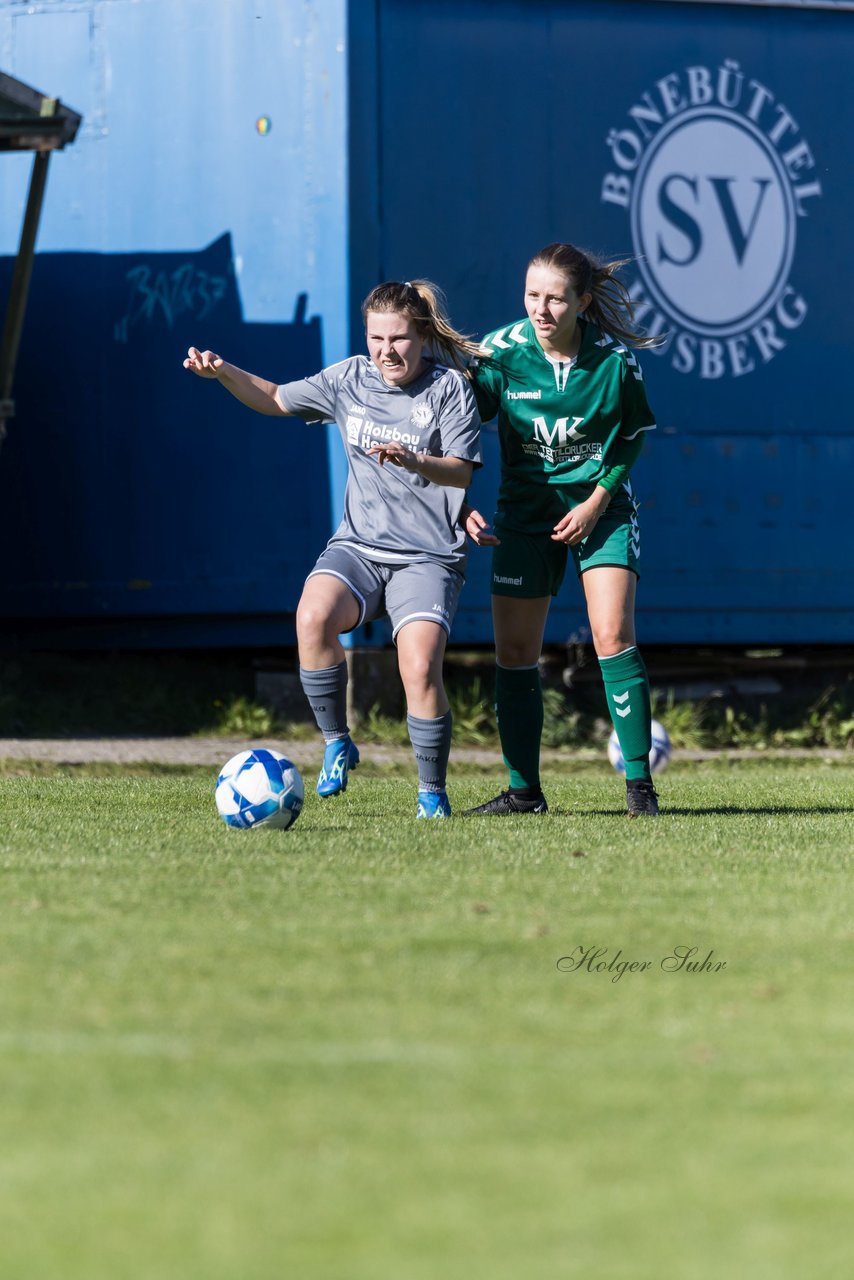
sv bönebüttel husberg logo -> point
(714, 174)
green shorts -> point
(530, 565)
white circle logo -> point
(714, 176)
(422, 415)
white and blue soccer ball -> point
(659, 756)
(259, 788)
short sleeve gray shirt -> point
(391, 515)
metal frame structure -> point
(29, 121)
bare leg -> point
(326, 608)
(420, 654)
(610, 594)
(519, 626)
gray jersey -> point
(391, 515)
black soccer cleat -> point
(641, 800)
(506, 803)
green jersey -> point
(565, 426)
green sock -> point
(519, 711)
(627, 691)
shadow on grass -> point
(724, 811)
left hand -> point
(575, 526)
(478, 529)
(395, 453)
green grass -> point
(346, 1051)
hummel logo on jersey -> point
(525, 395)
(506, 582)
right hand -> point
(478, 530)
(205, 363)
(395, 453)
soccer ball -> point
(259, 788)
(659, 756)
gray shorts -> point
(420, 592)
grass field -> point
(357, 1049)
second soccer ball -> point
(659, 756)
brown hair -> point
(611, 308)
(424, 304)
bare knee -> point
(420, 672)
(609, 641)
(315, 625)
(516, 655)
(420, 650)
(519, 626)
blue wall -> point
(135, 495)
(131, 489)
(711, 141)
(734, 182)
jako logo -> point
(715, 175)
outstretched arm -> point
(256, 393)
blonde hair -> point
(424, 304)
(611, 308)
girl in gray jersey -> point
(399, 549)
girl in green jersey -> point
(569, 397)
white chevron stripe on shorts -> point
(634, 523)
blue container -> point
(243, 183)
(712, 142)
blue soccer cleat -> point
(339, 758)
(433, 804)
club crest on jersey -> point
(714, 239)
(422, 415)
